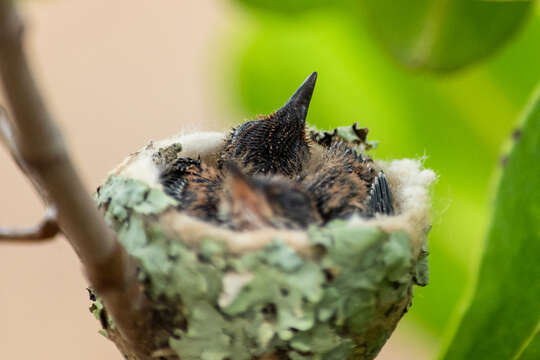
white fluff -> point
(410, 185)
(140, 165)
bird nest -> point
(329, 286)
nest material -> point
(332, 292)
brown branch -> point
(47, 229)
(7, 136)
(39, 149)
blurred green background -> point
(457, 120)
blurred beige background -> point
(116, 74)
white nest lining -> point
(140, 165)
(409, 184)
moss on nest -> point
(341, 301)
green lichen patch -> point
(370, 269)
(342, 303)
(288, 289)
(421, 272)
(98, 310)
(351, 134)
(121, 195)
(167, 155)
(323, 342)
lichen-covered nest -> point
(328, 292)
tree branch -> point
(47, 229)
(7, 136)
(38, 147)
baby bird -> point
(261, 179)
(274, 144)
(250, 203)
(195, 185)
(347, 183)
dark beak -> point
(297, 106)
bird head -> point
(276, 143)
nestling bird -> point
(195, 185)
(265, 201)
(347, 183)
(264, 177)
(277, 143)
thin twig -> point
(46, 230)
(39, 149)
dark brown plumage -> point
(343, 185)
(274, 144)
(271, 201)
(196, 187)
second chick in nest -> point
(346, 183)
(250, 203)
(238, 201)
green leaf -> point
(442, 34)
(531, 350)
(503, 315)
